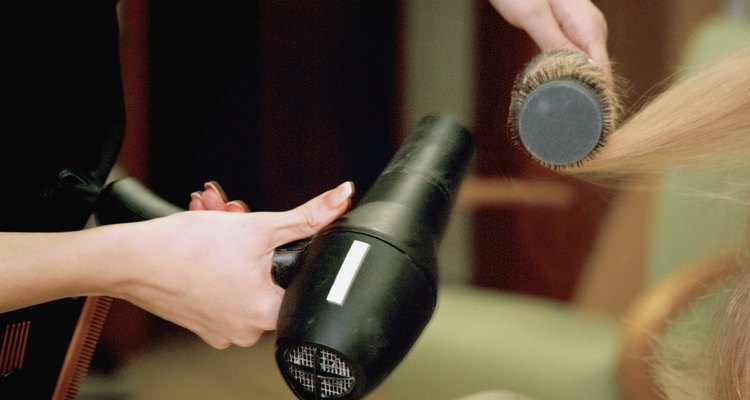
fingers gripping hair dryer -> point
(358, 294)
(365, 287)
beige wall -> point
(438, 77)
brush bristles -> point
(564, 65)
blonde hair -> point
(716, 368)
(730, 352)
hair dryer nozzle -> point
(366, 286)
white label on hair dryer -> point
(347, 272)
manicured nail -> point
(340, 195)
(195, 196)
(237, 206)
(213, 185)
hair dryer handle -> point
(285, 261)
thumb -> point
(309, 218)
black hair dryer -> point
(365, 287)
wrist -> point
(115, 259)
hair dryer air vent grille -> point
(319, 371)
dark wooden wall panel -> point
(277, 100)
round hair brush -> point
(562, 109)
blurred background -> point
(280, 100)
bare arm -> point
(208, 271)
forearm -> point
(40, 267)
(207, 271)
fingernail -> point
(195, 195)
(237, 206)
(340, 195)
(216, 187)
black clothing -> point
(62, 91)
